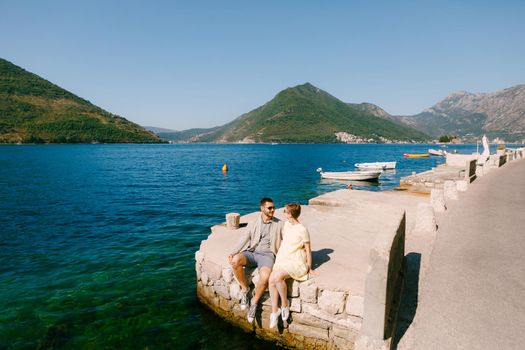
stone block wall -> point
(320, 318)
(383, 290)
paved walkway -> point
(473, 294)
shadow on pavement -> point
(409, 298)
(321, 256)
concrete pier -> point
(358, 243)
(372, 251)
(467, 293)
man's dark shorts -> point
(258, 259)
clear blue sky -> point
(185, 64)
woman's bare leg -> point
(274, 294)
(280, 284)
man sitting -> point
(257, 247)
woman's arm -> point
(308, 251)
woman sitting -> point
(293, 260)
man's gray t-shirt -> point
(264, 244)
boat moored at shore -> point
(435, 152)
(369, 175)
(416, 155)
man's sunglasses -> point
(270, 208)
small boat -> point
(416, 155)
(370, 175)
(359, 183)
(436, 152)
(376, 165)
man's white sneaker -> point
(251, 313)
(244, 300)
(274, 317)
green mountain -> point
(34, 110)
(308, 114)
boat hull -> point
(434, 152)
(376, 165)
(352, 175)
(416, 155)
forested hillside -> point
(34, 110)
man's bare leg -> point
(264, 276)
(237, 262)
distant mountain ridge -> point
(34, 110)
(158, 130)
(305, 113)
(186, 136)
(470, 115)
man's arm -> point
(244, 241)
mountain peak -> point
(304, 88)
(459, 93)
(308, 86)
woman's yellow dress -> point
(291, 256)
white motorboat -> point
(376, 165)
(437, 152)
(369, 175)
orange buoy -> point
(224, 168)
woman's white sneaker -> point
(274, 317)
(285, 313)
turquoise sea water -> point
(97, 242)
